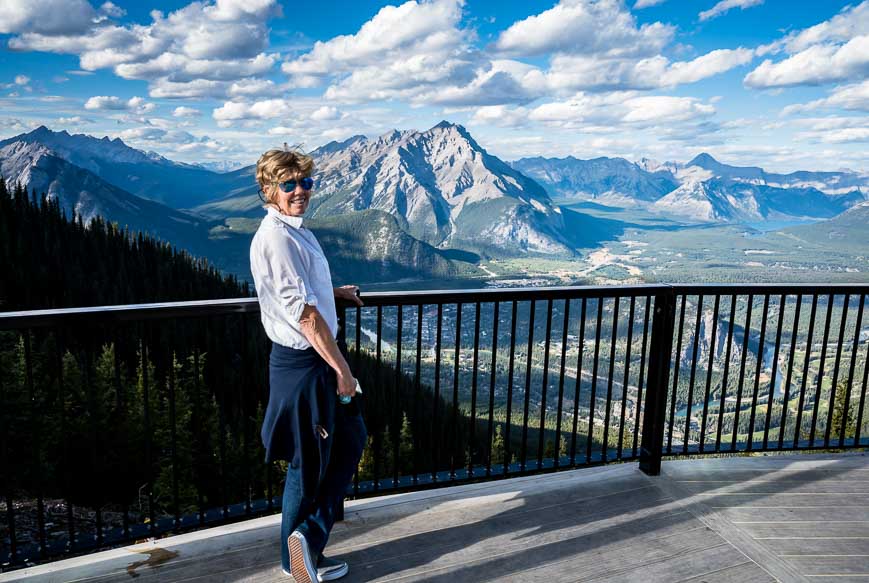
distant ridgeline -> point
(51, 260)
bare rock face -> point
(442, 187)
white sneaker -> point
(301, 564)
(331, 569)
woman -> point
(304, 422)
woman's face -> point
(295, 202)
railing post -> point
(341, 308)
(655, 403)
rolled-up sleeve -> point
(285, 273)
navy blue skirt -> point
(300, 418)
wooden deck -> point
(746, 520)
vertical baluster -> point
(771, 399)
(541, 434)
(799, 426)
(36, 445)
(679, 333)
(357, 355)
(858, 325)
(627, 375)
(417, 397)
(493, 372)
(746, 335)
(198, 409)
(593, 395)
(692, 375)
(379, 449)
(833, 386)
(564, 330)
(529, 357)
(120, 403)
(706, 394)
(508, 424)
(761, 344)
(436, 435)
(244, 395)
(61, 398)
(725, 375)
(858, 433)
(397, 417)
(474, 370)
(604, 454)
(820, 380)
(176, 505)
(787, 393)
(7, 479)
(455, 423)
(146, 418)
(642, 376)
(578, 384)
(95, 437)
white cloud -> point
(852, 21)
(500, 115)
(629, 108)
(589, 72)
(639, 4)
(22, 79)
(233, 111)
(401, 52)
(112, 103)
(45, 16)
(815, 65)
(832, 130)
(726, 5)
(112, 10)
(326, 113)
(851, 97)
(584, 27)
(183, 111)
(74, 120)
(833, 51)
(212, 41)
(503, 81)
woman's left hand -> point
(350, 293)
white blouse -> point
(290, 270)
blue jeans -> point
(314, 517)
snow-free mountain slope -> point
(84, 193)
(144, 174)
(614, 181)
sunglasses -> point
(306, 183)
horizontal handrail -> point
(166, 310)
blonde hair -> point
(274, 164)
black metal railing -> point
(124, 422)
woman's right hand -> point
(346, 385)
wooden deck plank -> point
(757, 515)
(819, 546)
(790, 487)
(747, 572)
(827, 529)
(827, 566)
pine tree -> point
(840, 416)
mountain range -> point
(703, 190)
(437, 196)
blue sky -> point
(776, 83)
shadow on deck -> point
(744, 519)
